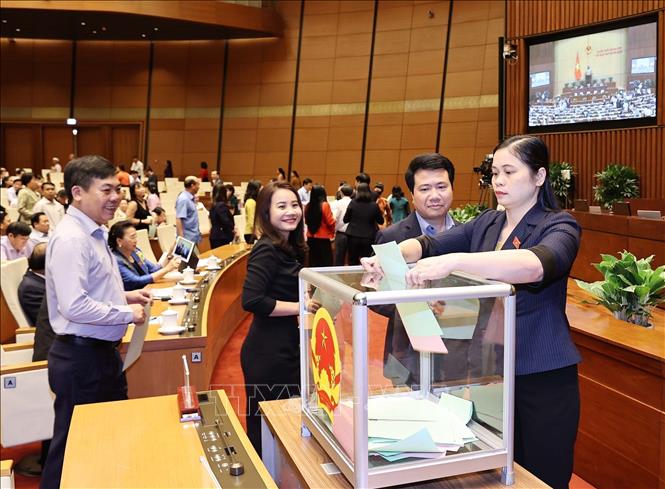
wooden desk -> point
(159, 369)
(621, 437)
(299, 459)
(140, 443)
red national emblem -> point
(326, 363)
(516, 243)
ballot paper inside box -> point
(402, 385)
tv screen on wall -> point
(601, 77)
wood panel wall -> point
(589, 151)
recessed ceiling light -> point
(18, 30)
(4, 21)
(82, 23)
(94, 32)
(142, 35)
(156, 29)
(103, 28)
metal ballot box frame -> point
(349, 302)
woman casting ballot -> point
(531, 245)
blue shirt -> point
(83, 285)
(429, 230)
(185, 210)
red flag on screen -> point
(578, 70)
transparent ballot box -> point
(401, 385)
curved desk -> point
(159, 369)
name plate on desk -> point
(227, 457)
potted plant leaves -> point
(561, 179)
(467, 212)
(615, 184)
(631, 288)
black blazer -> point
(363, 219)
(31, 291)
(222, 224)
(407, 228)
(543, 341)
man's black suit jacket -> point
(31, 292)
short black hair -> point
(346, 190)
(430, 161)
(26, 178)
(306, 181)
(48, 183)
(363, 193)
(117, 231)
(37, 260)
(82, 171)
(189, 181)
(159, 211)
(34, 219)
(62, 193)
(19, 228)
(363, 177)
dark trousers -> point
(547, 412)
(341, 245)
(78, 375)
(216, 243)
(320, 252)
(359, 248)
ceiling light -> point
(142, 35)
(82, 23)
(4, 21)
(94, 32)
(75, 132)
(71, 121)
(156, 29)
(103, 28)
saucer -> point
(188, 282)
(212, 269)
(178, 302)
(171, 330)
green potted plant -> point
(561, 179)
(467, 212)
(616, 183)
(631, 288)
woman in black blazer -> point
(222, 225)
(364, 216)
(531, 245)
(270, 355)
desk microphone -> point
(188, 401)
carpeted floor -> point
(228, 376)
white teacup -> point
(178, 292)
(169, 319)
(188, 274)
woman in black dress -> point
(364, 216)
(221, 220)
(270, 356)
(137, 209)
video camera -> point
(485, 171)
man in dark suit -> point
(430, 179)
(32, 288)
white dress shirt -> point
(53, 209)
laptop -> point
(621, 209)
(581, 205)
(648, 214)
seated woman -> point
(135, 269)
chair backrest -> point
(13, 356)
(45, 172)
(57, 179)
(204, 221)
(161, 186)
(240, 226)
(3, 197)
(11, 274)
(26, 410)
(12, 212)
(166, 237)
(143, 242)
(204, 187)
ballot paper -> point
(138, 337)
(419, 321)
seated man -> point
(16, 243)
(40, 228)
(32, 288)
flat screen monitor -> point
(599, 77)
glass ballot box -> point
(401, 385)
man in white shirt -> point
(137, 165)
(305, 191)
(56, 167)
(40, 228)
(341, 239)
(17, 242)
(12, 192)
(49, 206)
